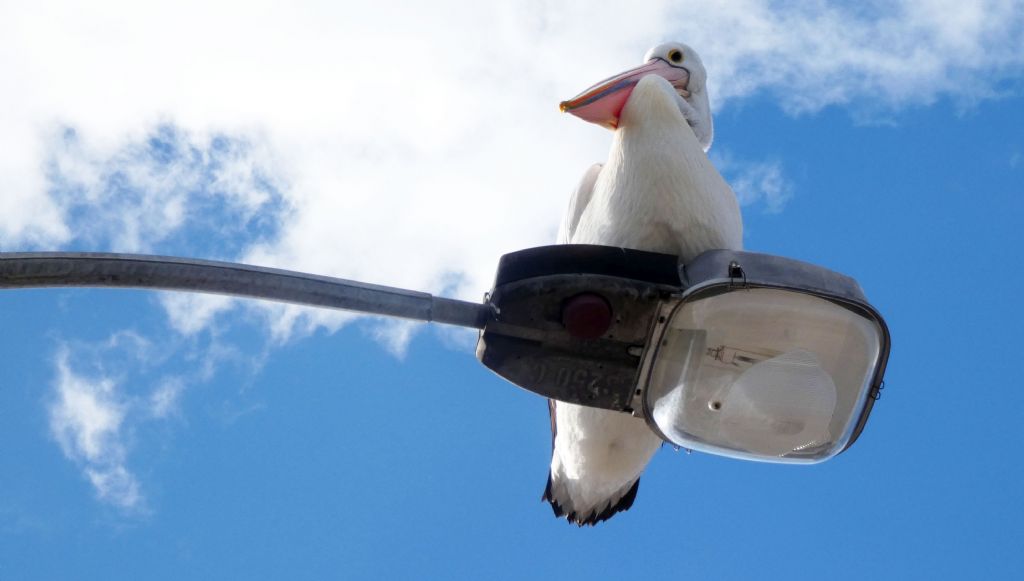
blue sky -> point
(166, 436)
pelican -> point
(658, 192)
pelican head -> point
(677, 63)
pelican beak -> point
(602, 103)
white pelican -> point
(659, 192)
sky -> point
(162, 435)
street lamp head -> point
(738, 354)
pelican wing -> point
(578, 203)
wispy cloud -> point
(116, 485)
(874, 56)
(189, 313)
(86, 419)
(107, 396)
(162, 189)
(163, 401)
(756, 183)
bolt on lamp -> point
(739, 354)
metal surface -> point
(650, 267)
(527, 343)
(86, 269)
(715, 266)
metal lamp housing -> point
(738, 354)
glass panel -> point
(763, 374)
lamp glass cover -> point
(763, 374)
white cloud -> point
(86, 419)
(874, 56)
(147, 191)
(189, 313)
(395, 335)
(163, 401)
(756, 183)
(105, 392)
(116, 485)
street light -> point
(738, 354)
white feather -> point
(659, 192)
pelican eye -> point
(675, 55)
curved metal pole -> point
(96, 269)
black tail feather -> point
(595, 516)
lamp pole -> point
(95, 269)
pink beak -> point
(602, 103)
